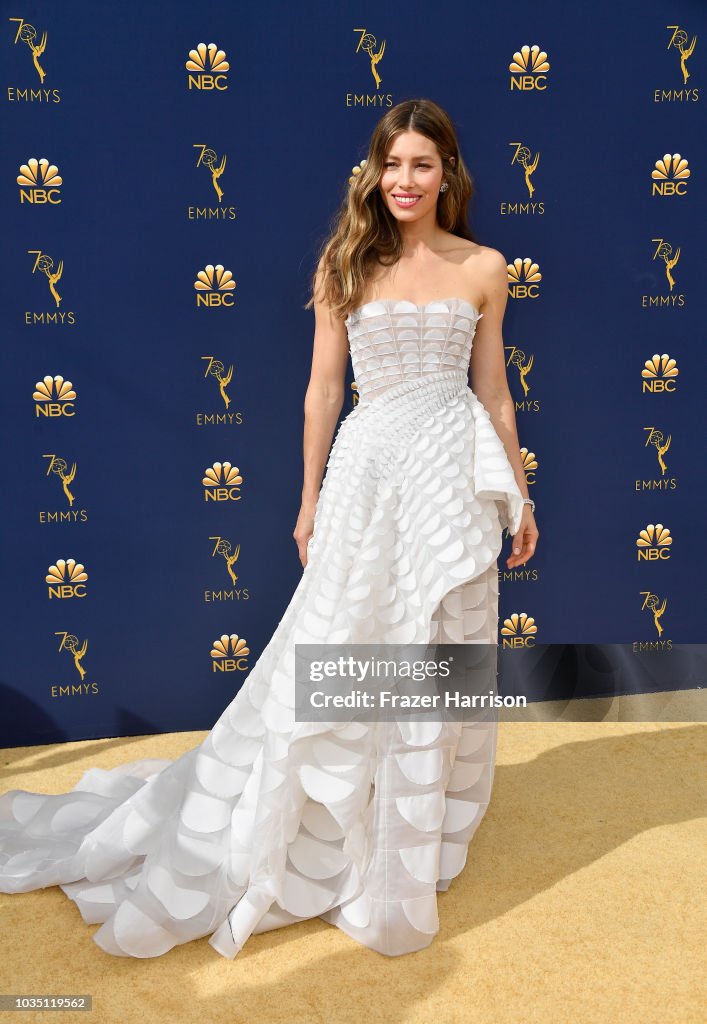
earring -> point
(444, 187)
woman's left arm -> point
(490, 385)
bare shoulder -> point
(488, 272)
(480, 259)
(488, 261)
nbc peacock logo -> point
(670, 175)
(207, 67)
(653, 543)
(215, 287)
(519, 630)
(39, 182)
(660, 374)
(222, 482)
(229, 654)
(524, 278)
(54, 397)
(529, 68)
(66, 578)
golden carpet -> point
(582, 900)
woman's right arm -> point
(323, 402)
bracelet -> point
(529, 501)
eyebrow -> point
(422, 156)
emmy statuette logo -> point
(214, 166)
(44, 265)
(230, 556)
(670, 256)
(69, 644)
(215, 370)
(656, 439)
(679, 41)
(654, 607)
(526, 163)
(368, 47)
(223, 548)
(522, 364)
(58, 468)
(26, 34)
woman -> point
(270, 820)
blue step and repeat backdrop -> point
(168, 174)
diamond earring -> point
(444, 187)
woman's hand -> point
(525, 540)
(304, 529)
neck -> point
(420, 238)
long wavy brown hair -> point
(364, 231)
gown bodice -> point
(395, 340)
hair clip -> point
(356, 171)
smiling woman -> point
(274, 819)
(409, 179)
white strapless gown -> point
(270, 821)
